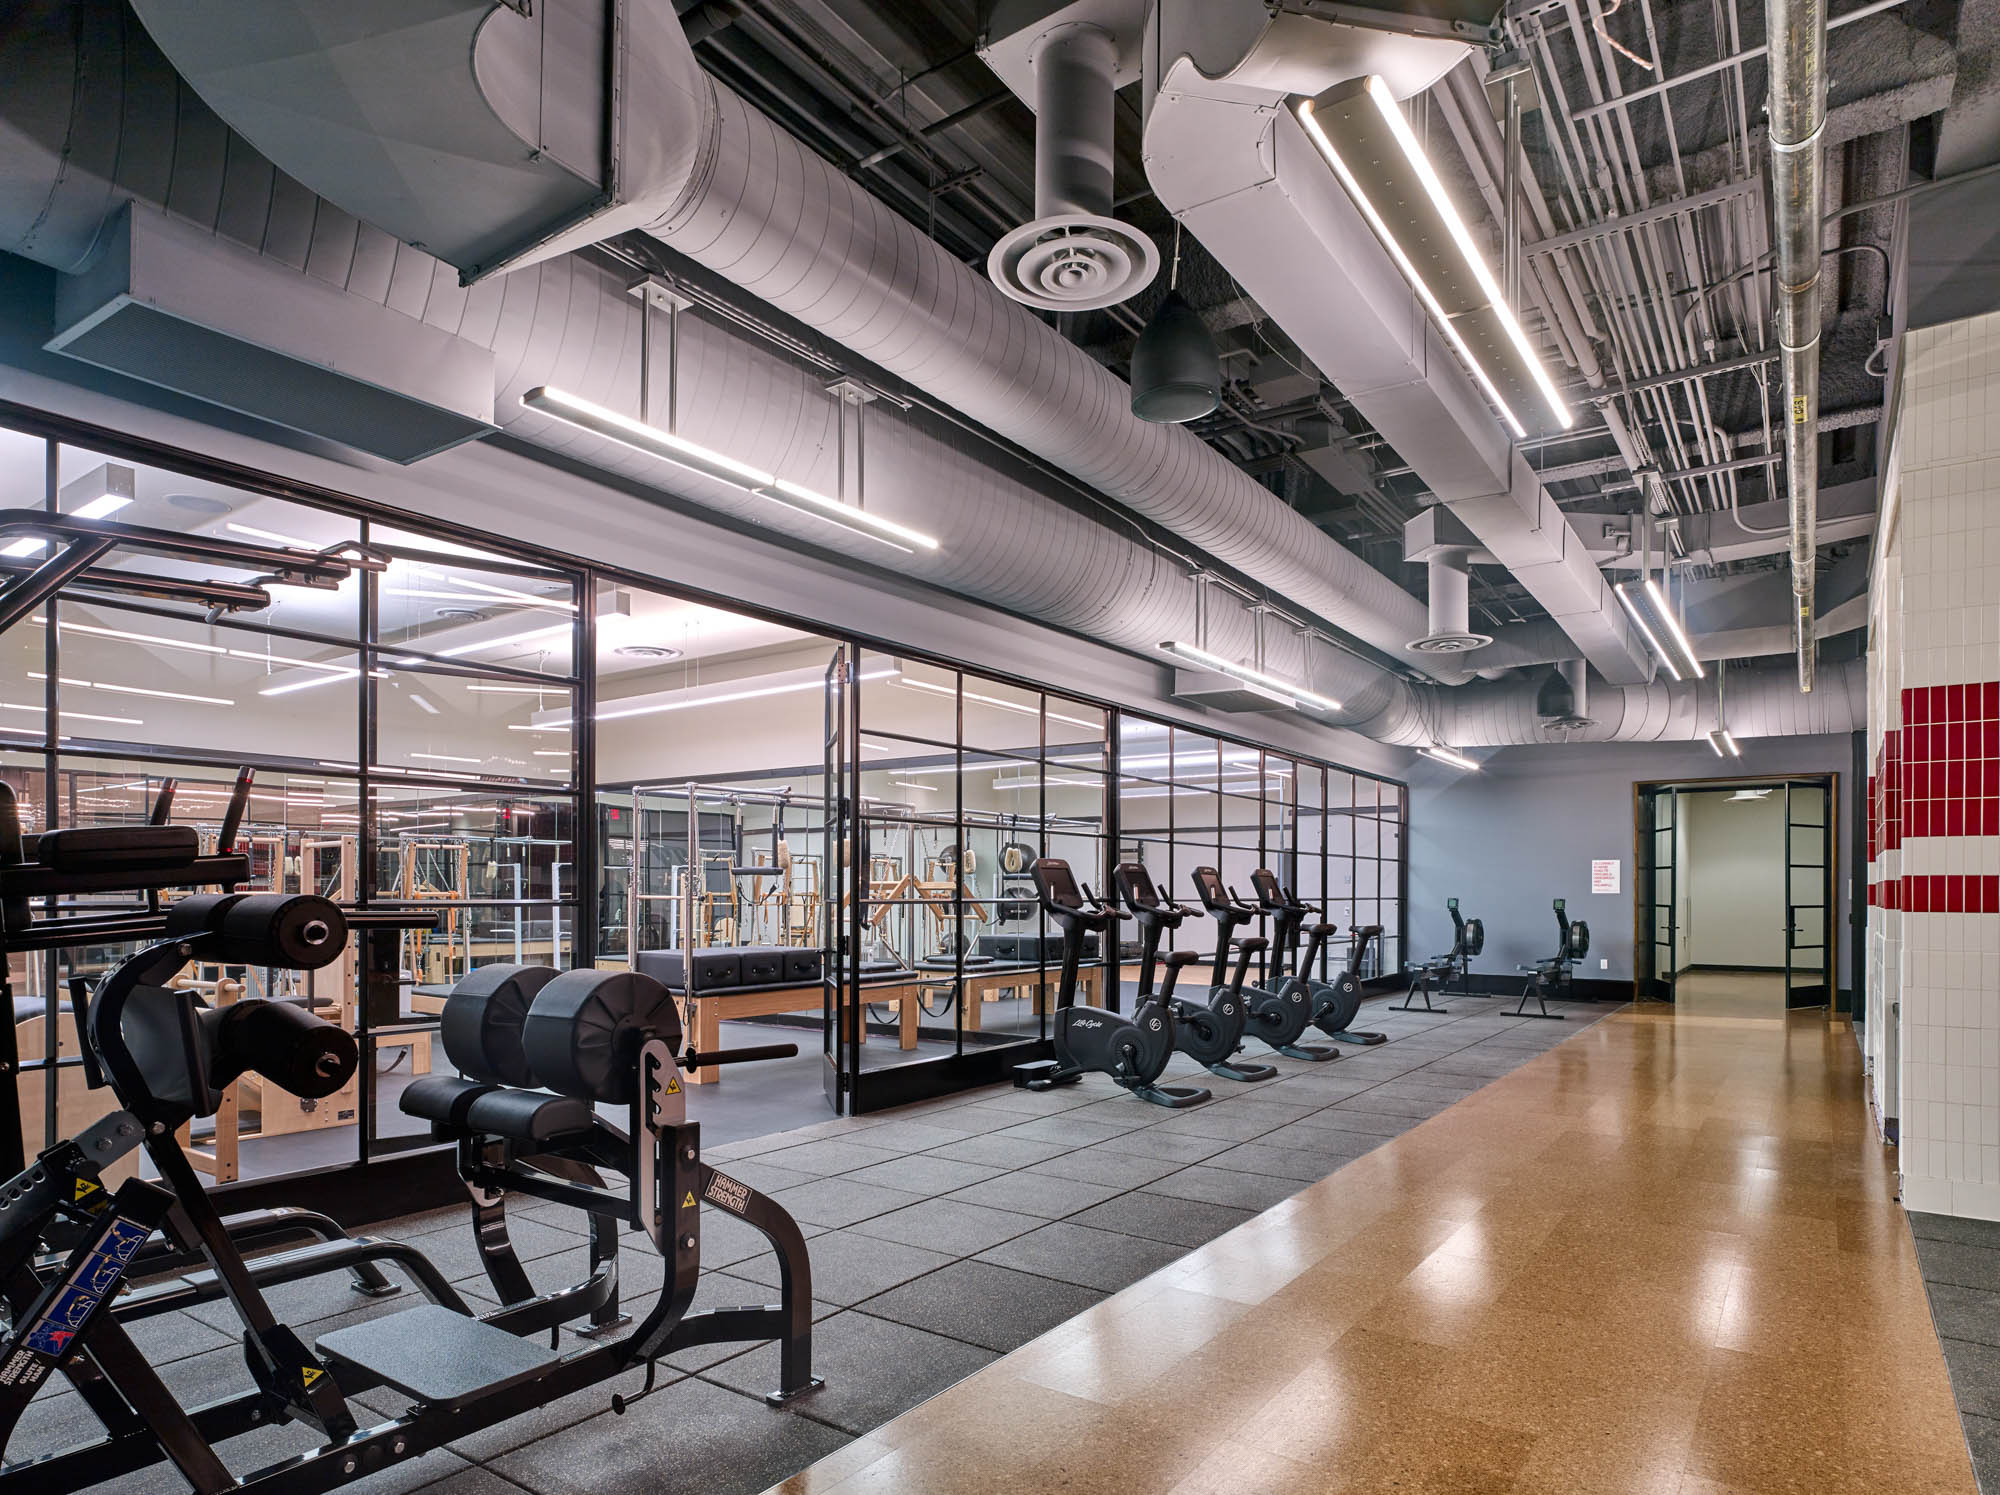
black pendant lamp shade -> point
(1176, 376)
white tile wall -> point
(1937, 622)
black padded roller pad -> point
(583, 1034)
(307, 1055)
(106, 848)
(298, 931)
(482, 1022)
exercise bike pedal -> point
(1243, 1071)
(1310, 1054)
(1044, 1074)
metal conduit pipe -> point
(1795, 31)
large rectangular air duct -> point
(192, 312)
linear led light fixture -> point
(96, 495)
(1668, 642)
(1359, 129)
(655, 442)
(721, 699)
(1446, 755)
(1295, 695)
(533, 635)
(1724, 743)
(1022, 708)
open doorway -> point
(1734, 895)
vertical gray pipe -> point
(1075, 95)
(1796, 31)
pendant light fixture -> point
(1176, 373)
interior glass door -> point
(1808, 895)
(1656, 895)
(840, 970)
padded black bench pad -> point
(458, 1105)
(437, 1356)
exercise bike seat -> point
(457, 1107)
(1179, 958)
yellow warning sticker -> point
(84, 1189)
(688, 1203)
(673, 1085)
(308, 1375)
(1798, 410)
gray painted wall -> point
(1526, 827)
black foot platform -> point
(433, 1355)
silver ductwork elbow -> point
(1796, 32)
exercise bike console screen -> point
(1058, 883)
(1138, 885)
(1208, 882)
(1266, 883)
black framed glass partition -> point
(563, 764)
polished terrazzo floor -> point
(1665, 1257)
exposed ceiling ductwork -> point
(790, 227)
(89, 88)
(1235, 165)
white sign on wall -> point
(1604, 876)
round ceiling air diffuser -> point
(1448, 643)
(646, 651)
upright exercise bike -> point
(1335, 1003)
(1208, 1032)
(1280, 1009)
(1093, 1040)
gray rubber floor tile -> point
(1026, 1105)
(726, 1290)
(1376, 1103)
(829, 1156)
(692, 1437)
(1123, 1113)
(1068, 1130)
(1170, 1147)
(763, 1175)
(725, 1239)
(1097, 1165)
(1956, 1263)
(1982, 1437)
(924, 1174)
(1975, 1376)
(874, 1368)
(1965, 1313)
(915, 1136)
(1001, 1152)
(1036, 1194)
(847, 1267)
(983, 1304)
(1242, 1190)
(1952, 1228)
(1068, 1252)
(1221, 1123)
(473, 1479)
(948, 1225)
(1182, 1222)
(835, 1202)
(1301, 1165)
(175, 1336)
